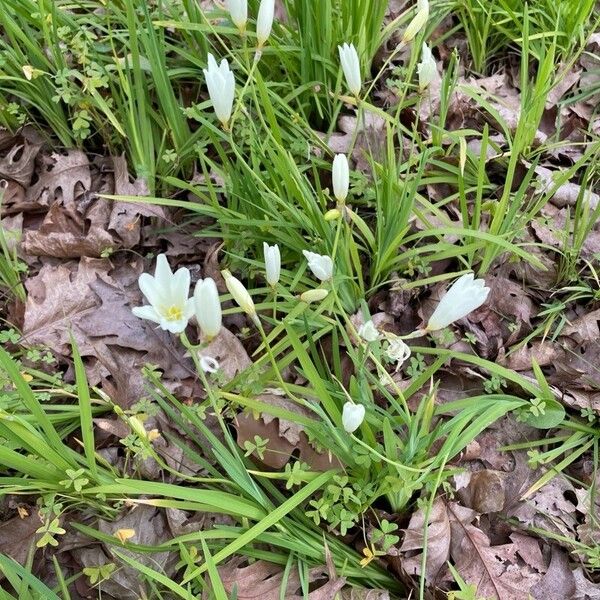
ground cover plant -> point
(299, 299)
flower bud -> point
(464, 296)
(238, 11)
(264, 21)
(427, 68)
(340, 177)
(320, 265)
(417, 22)
(272, 263)
(352, 416)
(240, 294)
(314, 295)
(207, 307)
(351, 67)
(332, 215)
(221, 88)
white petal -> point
(146, 312)
(153, 293)
(163, 273)
(180, 286)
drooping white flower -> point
(240, 294)
(238, 11)
(465, 295)
(352, 416)
(427, 68)
(320, 265)
(368, 331)
(207, 307)
(167, 294)
(398, 351)
(272, 263)
(221, 88)
(351, 67)
(340, 177)
(208, 364)
(418, 21)
(314, 295)
(264, 21)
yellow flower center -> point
(173, 313)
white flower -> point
(221, 88)
(427, 69)
(240, 294)
(209, 364)
(264, 21)
(238, 11)
(351, 67)
(208, 307)
(368, 331)
(418, 21)
(464, 296)
(167, 294)
(272, 263)
(320, 264)
(398, 351)
(352, 416)
(340, 177)
(314, 295)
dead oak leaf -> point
(62, 236)
(263, 581)
(58, 298)
(125, 216)
(63, 177)
(497, 571)
(19, 162)
(438, 541)
(285, 438)
(229, 352)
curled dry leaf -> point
(229, 352)
(19, 162)
(263, 580)
(65, 235)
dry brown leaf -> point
(58, 297)
(584, 588)
(18, 164)
(285, 437)
(125, 216)
(229, 352)
(62, 236)
(17, 535)
(567, 193)
(150, 528)
(364, 594)
(262, 581)
(485, 492)
(438, 541)
(495, 570)
(63, 177)
(559, 582)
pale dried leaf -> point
(63, 177)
